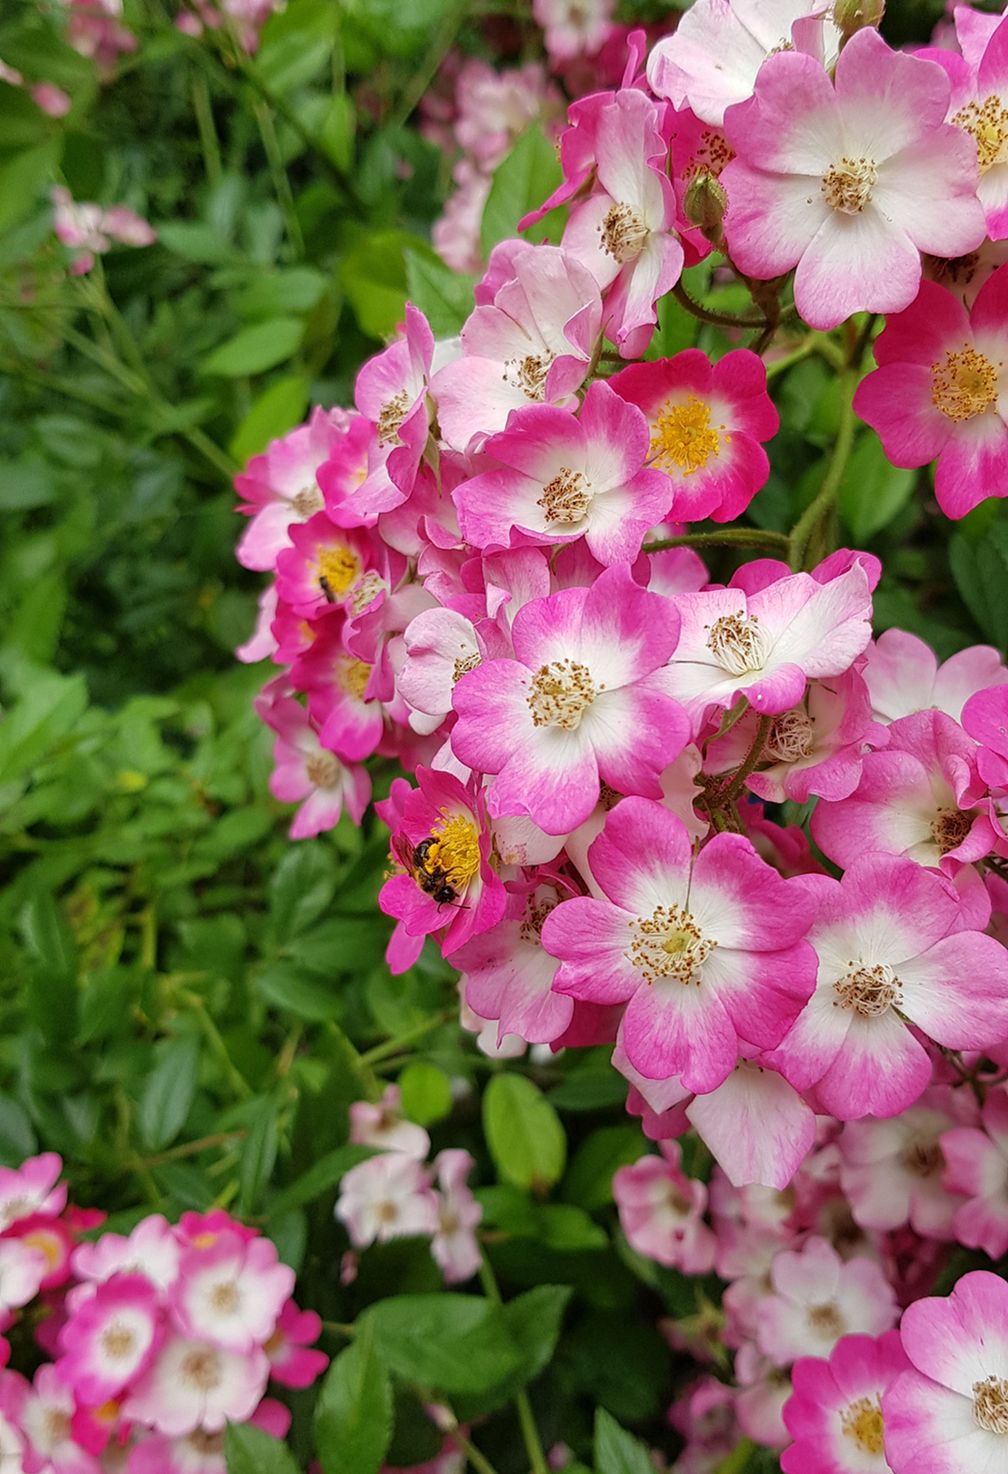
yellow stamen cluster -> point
(848, 184)
(624, 233)
(455, 850)
(392, 414)
(988, 123)
(964, 383)
(353, 675)
(949, 828)
(738, 644)
(990, 1404)
(560, 694)
(668, 944)
(683, 438)
(862, 1422)
(340, 566)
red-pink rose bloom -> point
(835, 1412)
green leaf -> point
(256, 348)
(559, 1226)
(302, 886)
(589, 1178)
(104, 1004)
(168, 1093)
(275, 411)
(529, 174)
(426, 1093)
(46, 712)
(523, 1132)
(592, 1089)
(451, 1344)
(320, 1177)
(534, 1320)
(353, 1415)
(286, 985)
(248, 1450)
(258, 1155)
(873, 490)
(196, 241)
(47, 935)
(373, 274)
(616, 1452)
(443, 295)
(23, 178)
(329, 947)
(980, 569)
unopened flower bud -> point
(853, 15)
(705, 204)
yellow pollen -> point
(455, 850)
(323, 769)
(560, 694)
(391, 417)
(990, 1404)
(847, 185)
(340, 566)
(464, 664)
(117, 1341)
(668, 944)
(204, 1240)
(48, 1243)
(988, 123)
(869, 991)
(353, 675)
(738, 644)
(566, 498)
(224, 1297)
(202, 1369)
(862, 1421)
(365, 591)
(964, 383)
(624, 233)
(683, 439)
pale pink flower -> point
(580, 704)
(573, 27)
(835, 1415)
(151, 1249)
(261, 643)
(386, 1197)
(979, 105)
(231, 1292)
(661, 1212)
(391, 392)
(384, 1127)
(894, 949)
(280, 486)
(193, 1384)
(22, 1270)
(704, 951)
(985, 718)
(817, 1298)
(976, 1167)
(849, 183)
(454, 1245)
(705, 1416)
(757, 1127)
(763, 1391)
(56, 104)
(307, 774)
(508, 975)
(949, 1415)
(44, 1424)
(903, 676)
(939, 391)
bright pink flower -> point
(34, 1187)
(441, 840)
(580, 704)
(624, 232)
(903, 676)
(849, 184)
(231, 1292)
(22, 1270)
(755, 1125)
(949, 1415)
(892, 1170)
(767, 644)
(280, 486)
(325, 568)
(713, 57)
(817, 1298)
(979, 105)
(915, 798)
(391, 392)
(193, 1384)
(292, 1361)
(939, 391)
(985, 718)
(835, 1414)
(532, 345)
(704, 951)
(339, 688)
(976, 1166)
(110, 1340)
(892, 949)
(307, 774)
(508, 975)
(151, 1249)
(454, 1245)
(386, 1197)
(559, 478)
(661, 1212)
(384, 1127)
(706, 423)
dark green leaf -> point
(873, 490)
(320, 1177)
(616, 1452)
(248, 1450)
(258, 1154)
(353, 1415)
(168, 1092)
(450, 1344)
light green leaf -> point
(353, 1415)
(873, 490)
(256, 349)
(523, 1132)
(426, 1092)
(450, 1344)
(248, 1450)
(529, 174)
(444, 296)
(616, 1452)
(168, 1092)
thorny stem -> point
(731, 792)
(727, 537)
(711, 315)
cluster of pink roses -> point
(155, 1340)
(393, 1195)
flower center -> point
(712, 154)
(826, 1319)
(57, 1426)
(224, 1297)
(964, 383)
(338, 568)
(392, 414)
(869, 991)
(560, 694)
(792, 737)
(308, 500)
(862, 1421)
(454, 850)
(201, 1369)
(566, 498)
(353, 675)
(117, 1341)
(624, 233)
(529, 374)
(923, 1158)
(950, 828)
(534, 919)
(463, 665)
(323, 769)
(682, 437)
(988, 123)
(668, 944)
(738, 644)
(848, 184)
(990, 1404)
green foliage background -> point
(190, 1002)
